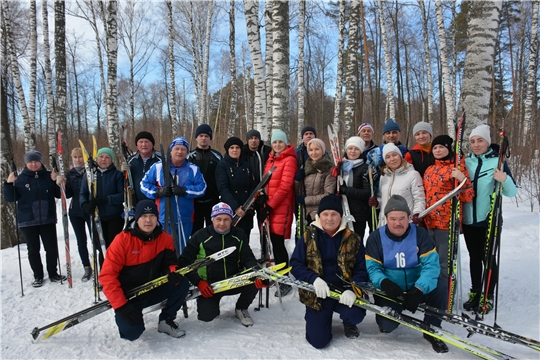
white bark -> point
(390, 102)
(448, 90)
(530, 106)
(206, 60)
(113, 128)
(339, 73)
(352, 64)
(232, 48)
(280, 98)
(172, 81)
(51, 130)
(246, 79)
(33, 65)
(301, 88)
(269, 61)
(428, 63)
(61, 73)
(482, 33)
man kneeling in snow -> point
(327, 249)
(135, 257)
(216, 237)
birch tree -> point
(203, 118)
(530, 102)
(281, 83)
(171, 57)
(48, 78)
(483, 27)
(60, 65)
(428, 118)
(352, 66)
(113, 129)
(366, 58)
(339, 74)
(390, 102)
(33, 65)
(251, 9)
(448, 89)
(268, 58)
(301, 88)
(232, 50)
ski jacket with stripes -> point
(280, 190)
(35, 192)
(110, 185)
(235, 181)
(207, 161)
(132, 261)
(138, 168)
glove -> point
(101, 201)
(412, 299)
(130, 313)
(347, 298)
(89, 207)
(343, 189)
(391, 288)
(261, 284)
(321, 288)
(335, 171)
(164, 192)
(417, 220)
(300, 175)
(174, 278)
(373, 201)
(263, 213)
(125, 167)
(178, 190)
(261, 199)
(301, 199)
(205, 288)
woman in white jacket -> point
(399, 177)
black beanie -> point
(331, 202)
(443, 140)
(233, 141)
(145, 207)
(252, 133)
(309, 128)
(397, 203)
(204, 129)
(145, 135)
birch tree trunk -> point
(248, 106)
(366, 58)
(483, 27)
(428, 118)
(29, 130)
(33, 65)
(352, 66)
(269, 62)
(448, 90)
(204, 80)
(113, 129)
(339, 73)
(232, 49)
(172, 81)
(530, 103)
(281, 81)
(390, 102)
(301, 88)
(251, 8)
(48, 79)
(61, 80)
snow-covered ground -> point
(277, 333)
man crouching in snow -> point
(327, 249)
(209, 240)
(135, 257)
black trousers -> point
(280, 251)
(202, 213)
(78, 224)
(48, 237)
(475, 238)
(208, 308)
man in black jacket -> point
(256, 153)
(141, 161)
(206, 159)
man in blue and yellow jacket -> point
(402, 260)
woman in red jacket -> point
(280, 192)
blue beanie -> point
(279, 135)
(180, 140)
(33, 155)
(390, 125)
(145, 207)
(331, 202)
(204, 129)
(221, 208)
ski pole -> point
(373, 210)
(14, 168)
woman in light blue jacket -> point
(484, 173)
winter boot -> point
(474, 300)
(484, 310)
(351, 331)
(170, 327)
(87, 274)
(57, 278)
(37, 283)
(244, 317)
(437, 345)
(284, 289)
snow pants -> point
(174, 295)
(435, 298)
(32, 235)
(319, 322)
(440, 238)
(475, 238)
(208, 308)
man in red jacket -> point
(135, 257)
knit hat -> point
(331, 202)
(180, 140)
(390, 125)
(308, 128)
(145, 207)
(443, 140)
(221, 208)
(397, 203)
(32, 155)
(204, 129)
(252, 133)
(365, 125)
(422, 126)
(107, 151)
(145, 135)
(233, 141)
(318, 142)
(355, 141)
(388, 148)
(279, 135)
(482, 131)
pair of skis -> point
(176, 228)
(129, 209)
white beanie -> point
(355, 141)
(388, 148)
(422, 126)
(482, 131)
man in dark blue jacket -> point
(327, 249)
(141, 161)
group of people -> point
(405, 255)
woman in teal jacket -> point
(484, 173)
